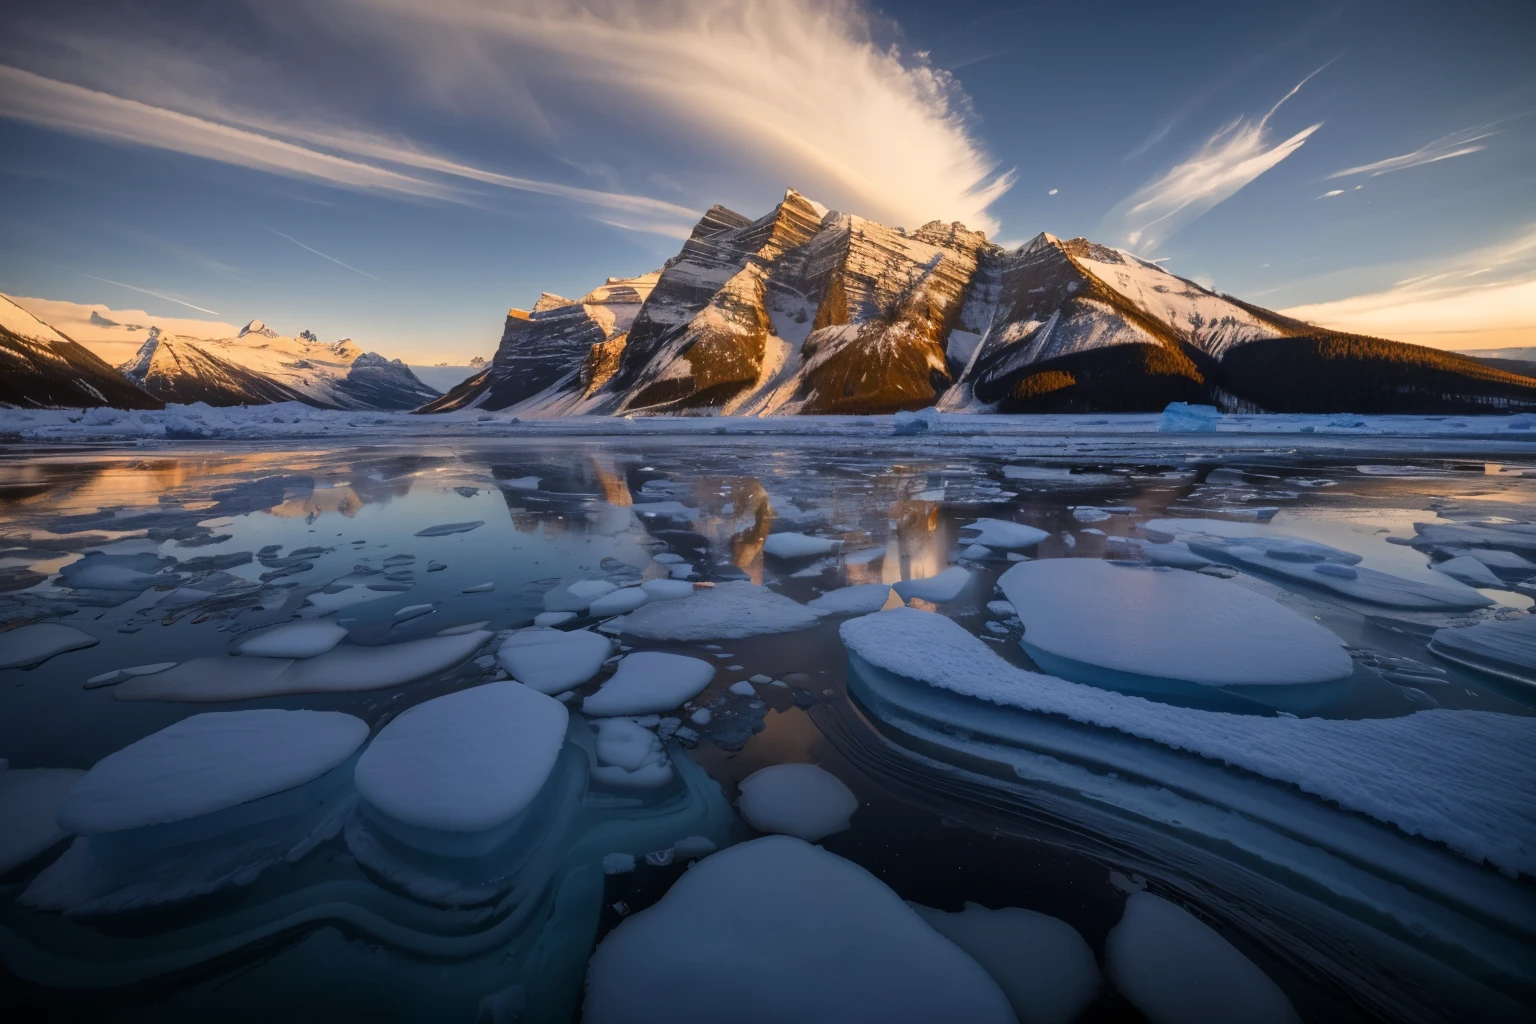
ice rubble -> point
(1004, 534)
(1041, 963)
(798, 545)
(466, 762)
(553, 660)
(945, 586)
(788, 932)
(207, 763)
(34, 644)
(1095, 621)
(800, 800)
(649, 682)
(860, 599)
(1177, 970)
(1505, 648)
(29, 806)
(728, 611)
(346, 668)
(292, 640)
(1444, 775)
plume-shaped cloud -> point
(1462, 143)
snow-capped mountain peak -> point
(258, 328)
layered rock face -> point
(807, 311)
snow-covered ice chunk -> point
(445, 529)
(618, 863)
(668, 589)
(1002, 609)
(860, 599)
(625, 744)
(618, 602)
(553, 660)
(207, 763)
(1004, 534)
(1041, 963)
(29, 807)
(1506, 648)
(466, 762)
(728, 611)
(413, 611)
(795, 934)
(1088, 514)
(1175, 554)
(1468, 570)
(1450, 770)
(1176, 969)
(1183, 418)
(976, 553)
(553, 618)
(666, 558)
(36, 643)
(576, 594)
(798, 545)
(1096, 621)
(946, 586)
(800, 800)
(649, 682)
(920, 422)
(292, 640)
(743, 689)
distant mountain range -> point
(255, 367)
(810, 311)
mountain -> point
(810, 311)
(40, 367)
(259, 366)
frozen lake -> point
(1244, 712)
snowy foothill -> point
(1440, 774)
(26, 646)
(207, 763)
(292, 640)
(800, 800)
(945, 586)
(1003, 534)
(792, 933)
(860, 599)
(553, 660)
(466, 762)
(1041, 963)
(29, 806)
(1176, 969)
(728, 611)
(1095, 621)
(649, 682)
(798, 545)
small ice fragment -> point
(946, 586)
(798, 545)
(412, 611)
(760, 679)
(618, 863)
(743, 689)
(801, 800)
(668, 589)
(479, 588)
(620, 601)
(701, 716)
(1002, 609)
(445, 529)
(553, 618)
(860, 599)
(667, 558)
(1004, 534)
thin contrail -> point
(146, 291)
(322, 255)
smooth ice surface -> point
(36, 643)
(292, 640)
(798, 545)
(1167, 624)
(649, 682)
(1468, 570)
(346, 668)
(207, 763)
(667, 590)
(553, 660)
(1041, 963)
(946, 586)
(445, 529)
(1507, 647)
(779, 930)
(618, 602)
(1457, 777)
(1004, 534)
(728, 611)
(29, 808)
(800, 800)
(464, 762)
(860, 599)
(1177, 970)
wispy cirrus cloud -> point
(155, 294)
(1223, 165)
(333, 259)
(1462, 143)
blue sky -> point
(401, 173)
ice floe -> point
(207, 763)
(798, 545)
(1505, 648)
(649, 682)
(860, 599)
(800, 800)
(618, 602)
(1098, 622)
(553, 660)
(34, 644)
(1444, 775)
(668, 589)
(1177, 970)
(553, 618)
(1468, 570)
(466, 762)
(29, 806)
(728, 611)
(795, 934)
(945, 586)
(292, 640)
(1004, 534)
(1041, 963)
